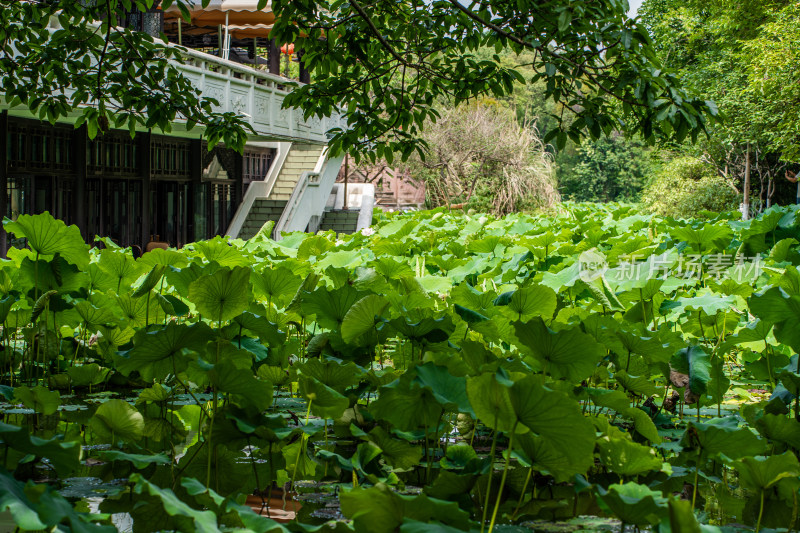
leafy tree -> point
(388, 62)
(743, 55)
(480, 155)
(384, 63)
(114, 76)
(686, 186)
(609, 169)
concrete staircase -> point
(292, 194)
(340, 220)
(301, 158)
(263, 211)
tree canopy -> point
(385, 64)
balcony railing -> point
(256, 94)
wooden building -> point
(171, 188)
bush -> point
(686, 186)
(609, 169)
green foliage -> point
(685, 187)
(474, 357)
(609, 169)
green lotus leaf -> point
(39, 398)
(117, 420)
(120, 266)
(200, 521)
(706, 304)
(157, 393)
(637, 385)
(621, 455)
(406, 406)
(359, 324)
(398, 453)
(335, 374)
(217, 250)
(776, 306)
(760, 473)
(468, 315)
(181, 278)
(87, 375)
(719, 383)
(158, 353)
(299, 465)
(449, 485)
(450, 391)
(779, 428)
(95, 316)
(635, 504)
(754, 335)
(694, 362)
(229, 509)
(40, 507)
(468, 296)
(149, 281)
(378, 509)
(226, 377)
(568, 353)
(325, 402)
(63, 456)
(709, 235)
(230, 474)
(530, 301)
(415, 526)
(681, 517)
(276, 284)
(558, 419)
(53, 275)
(491, 402)
(172, 305)
(330, 307)
(268, 332)
(138, 310)
(138, 461)
(428, 329)
(14, 501)
(160, 256)
(722, 436)
(221, 295)
(48, 236)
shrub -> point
(686, 186)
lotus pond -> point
(590, 368)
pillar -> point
(3, 179)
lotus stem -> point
(522, 494)
(491, 469)
(696, 472)
(761, 512)
(503, 478)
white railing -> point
(256, 94)
(307, 179)
(259, 189)
(309, 195)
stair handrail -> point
(258, 189)
(307, 179)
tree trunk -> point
(746, 188)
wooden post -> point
(147, 163)
(746, 191)
(3, 179)
(305, 74)
(273, 58)
(238, 184)
(80, 141)
(196, 175)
